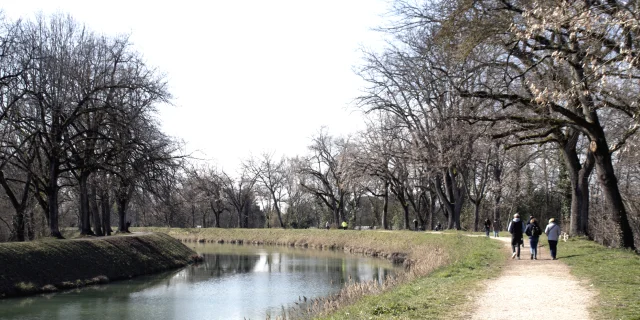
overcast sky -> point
(248, 76)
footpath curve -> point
(526, 288)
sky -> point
(247, 77)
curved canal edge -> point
(443, 271)
(46, 266)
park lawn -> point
(614, 273)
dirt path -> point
(542, 286)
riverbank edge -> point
(29, 268)
(435, 263)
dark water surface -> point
(234, 282)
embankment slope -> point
(51, 265)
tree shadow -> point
(570, 256)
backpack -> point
(535, 230)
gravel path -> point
(544, 287)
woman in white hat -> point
(516, 228)
(553, 234)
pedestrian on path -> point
(516, 228)
(344, 225)
(496, 227)
(534, 231)
(487, 226)
(553, 234)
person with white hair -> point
(553, 234)
(516, 228)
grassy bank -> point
(442, 269)
(615, 273)
(51, 265)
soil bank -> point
(51, 265)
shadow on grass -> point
(571, 256)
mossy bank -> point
(51, 265)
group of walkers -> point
(532, 229)
(488, 225)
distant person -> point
(553, 234)
(344, 225)
(415, 224)
(487, 226)
(496, 227)
(516, 228)
(438, 227)
(534, 231)
(327, 225)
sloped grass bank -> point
(442, 270)
(615, 273)
(51, 265)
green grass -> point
(615, 273)
(442, 294)
(450, 267)
(49, 265)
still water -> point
(233, 282)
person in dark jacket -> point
(534, 231)
(496, 228)
(487, 226)
(516, 228)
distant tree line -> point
(475, 110)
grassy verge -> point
(51, 265)
(614, 273)
(443, 269)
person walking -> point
(327, 225)
(344, 225)
(553, 234)
(516, 228)
(534, 231)
(496, 227)
(487, 226)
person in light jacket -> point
(516, 228)
(553, 234)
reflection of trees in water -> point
(115, 297)
(78, 303)
(333, 270)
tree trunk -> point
(246, 215)
(18, 226)
(105, 202)
(85, 215)
(583, 187)
(573, 166)
(446, 204)
(432, 209)
(52, 197)
(609, 183)
(31, 226)
(122, 207)
(95, 212)
(385, 207)
(476, 215)
(405, 209)
(275, 205)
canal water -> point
(233, 282)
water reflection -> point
(233, 282)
